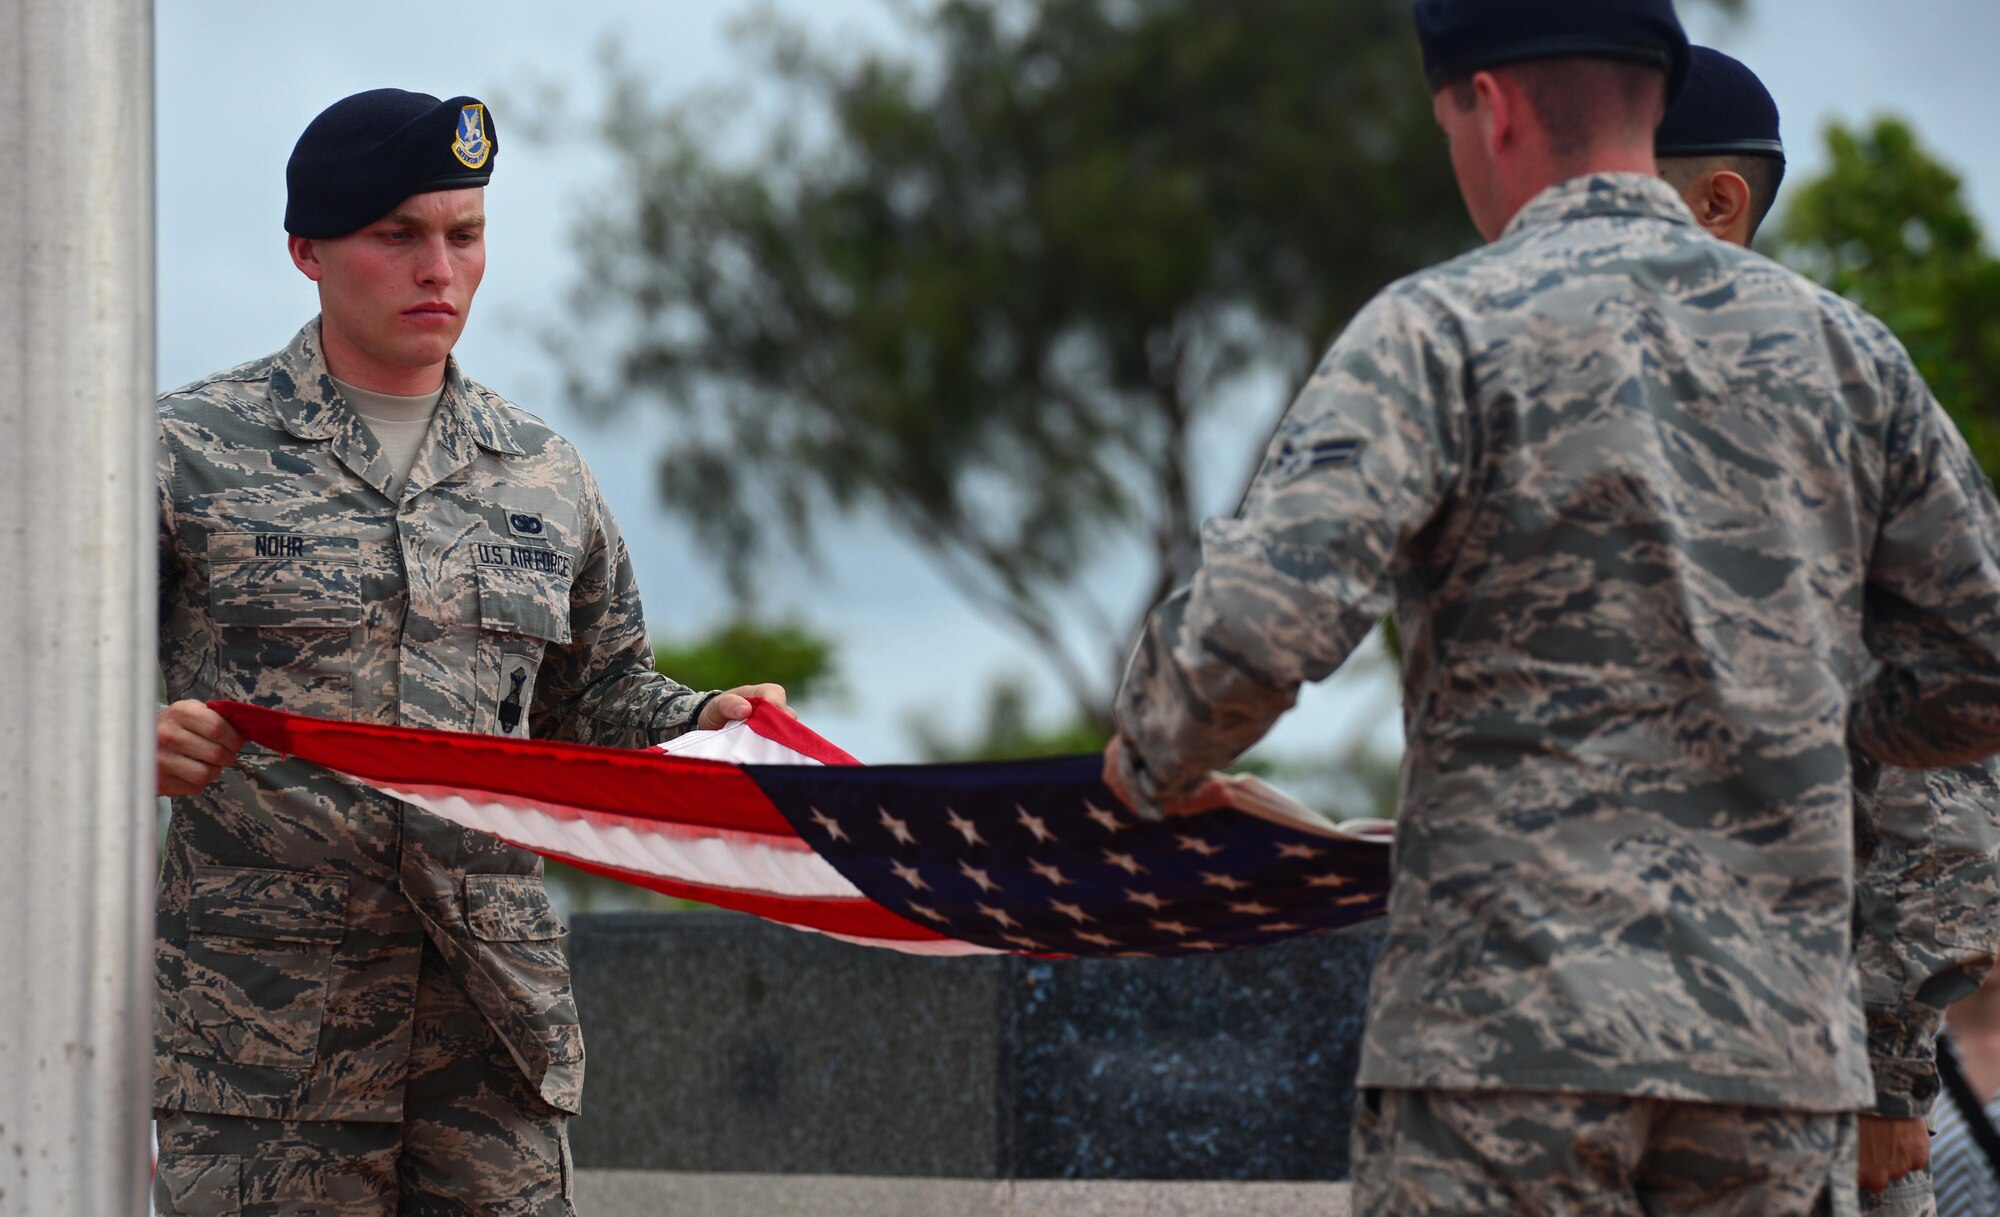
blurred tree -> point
(993, 290)
(1887, 225)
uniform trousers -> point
(475, 1139)
(1521, 1154)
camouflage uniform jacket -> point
(1643, 504)
(494, 595)
(1927, 914)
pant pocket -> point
(198, 1185)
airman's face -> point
(395, 294)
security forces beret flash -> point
(1461, 37)
(366, 153)
(1724, 111)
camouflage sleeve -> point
(601, 688)
(1933, 598)
(1293, 583)
(169, 556)
(1927, 915)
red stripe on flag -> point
(639, 782)
(781, 728)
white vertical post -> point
(76, 604)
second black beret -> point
(1725, 110)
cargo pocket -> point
(199, 1185)
(259, 954)
(521, 937)
(521, 614)
(1959, 863)
(290, 602)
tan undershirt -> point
(399, 424)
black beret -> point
(1725, 110)
(1461, 37)
(366, 153)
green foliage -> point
(992, 291)
(746, 652)
(1887, 225)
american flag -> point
(1033, 857)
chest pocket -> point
(523, 611)
(287, 606)
(284, 581)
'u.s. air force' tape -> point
(1296, 460)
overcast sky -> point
(238, 79)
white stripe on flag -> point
(740, 861)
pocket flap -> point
(276, 905)
(510, 908)
(284, 580)
(523, 589)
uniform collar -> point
(1601, 194)
(310, 407)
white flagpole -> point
(77, 607)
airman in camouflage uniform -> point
(1927, 917)
(362, 1009)
(1645, 506)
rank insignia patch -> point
(525, 523)
(472, 147)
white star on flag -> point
(1051, 872)
(831, 825)
(1000, 917)
(1073, 912)
(1146, 898)
(899, 829)
(1125, 862)
(1174, 927)
(1199, 846)
(1034, 824)
(1109, 819)
(1228, 883)
(966, 828)
(1251, 908)
(910, 875)
(978, 876)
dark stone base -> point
(721, 1044)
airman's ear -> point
(305, 256)
(1723, 204)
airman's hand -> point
(193, 745)
(1206, 797)
(734, 705)
(1891, 1149)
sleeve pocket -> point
(510, 908)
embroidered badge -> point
(525, 524)
(472, 147)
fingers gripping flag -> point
(766, 817)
